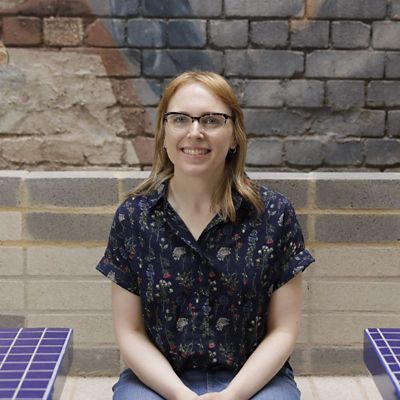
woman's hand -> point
(223, 395)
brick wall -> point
(54, 227)
(318, 79)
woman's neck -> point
(191, 194)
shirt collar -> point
(161, 193)
(157, 194)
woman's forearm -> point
(151, 367)
(262, 366)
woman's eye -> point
(211, 121)
(180, 119)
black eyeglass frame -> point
(226, 116)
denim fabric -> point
(281, 387)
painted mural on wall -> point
(318, 80)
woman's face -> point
(194, 151)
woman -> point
(207, 289)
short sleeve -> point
(117, 262)
(294, 257)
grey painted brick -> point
(114, 8)
(239, 87)
(339, 228)
(344, 64)
(187, 33)
(343, 95)
(395, 9)
(357, 193)
(264, 93)
(262, 8)
(263, 63)
(364, 123)
(71, 189)
(309, 34)
(269, 33)
(305, 153)
(70, 227)
(394, 123)
(146, 33)
(343, 153)
(179, 8)
(264, 152)
(9, 191)
(383, 94)
(132, 59)
(382, 152)
(206, 8)
(271, 122)
(386, 35)
(163, 63)
(229, 34)
(293, 93)
(350, 34)
(123, 8)
(295, 189)
(148, 91)
(116, 27)
(304, 93)
(344, 9)
(392, 65)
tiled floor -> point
(312, 388)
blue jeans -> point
(281, 387)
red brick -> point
(29, 7)
(144, 149)
(124, 92)
(63, 31)
(134, 120)
(22, 31)
(98, 35)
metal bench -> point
(34, 362)
(382, 358)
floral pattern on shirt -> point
(204, 302)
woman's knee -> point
(129, 387)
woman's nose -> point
(195, 129)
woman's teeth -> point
(195, 151)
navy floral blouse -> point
(204, 302)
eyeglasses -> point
(209, 122)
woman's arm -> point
(283, 328)
(139, 353)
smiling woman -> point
(206, 266)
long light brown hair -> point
(234, 173)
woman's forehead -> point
(195, 95)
